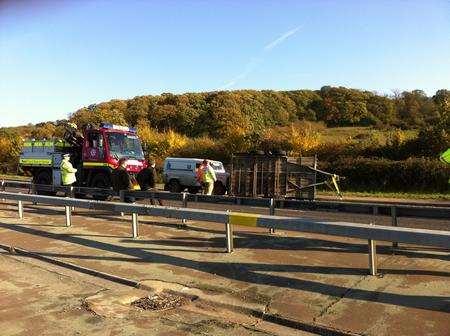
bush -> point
(301, 138)
(332, 151)
(415, 174)
(203, 147)
(10, 146)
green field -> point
(358, 134)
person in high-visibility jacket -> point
(206, 176)
(67, 171)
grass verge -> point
(15, 177)
(374, 194)
(395, 195)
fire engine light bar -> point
(106, 125)
(117, 127)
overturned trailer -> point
(277, 176)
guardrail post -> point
(68, 216)
(184, 200)
(20, 208)
(271, 212)
(372, 256)
(394, 223)
(122, 199)
(134, 220)
(3, 188)
(229, 234)
(33, 191)
(72, 195)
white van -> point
(180, 174)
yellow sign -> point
(242, 218)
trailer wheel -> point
(100, 181)
(44, 178)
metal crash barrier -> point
(393, 210)
(371, 233)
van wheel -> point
(100, 181)
(193, 190)
(174, 186)
(44, 179)
(219, 189)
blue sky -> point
(58, 56)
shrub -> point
(203, 147)
(301, 138)
(333, 151)
(10, 146)
(160, 144)
(415, 174)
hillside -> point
(336, 123)
(218, 113)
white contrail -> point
(251, 65)
(254, 62)
(227, 85)
(281, 39)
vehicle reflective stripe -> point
(94, 164)
(62, 144)
(43, 143)
(98, 164)
(242, 218)
(36, 161)
(46, 144)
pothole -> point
(160, 301)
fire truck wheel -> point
(100, 181)
(44, 179)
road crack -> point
(326, 309)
